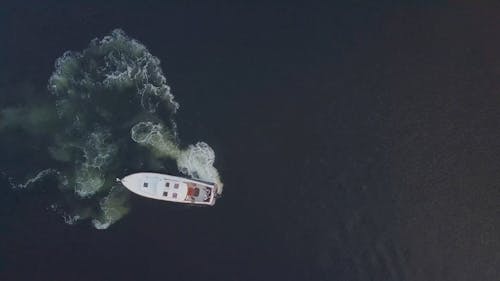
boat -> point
(171, 188)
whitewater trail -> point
(112, 109)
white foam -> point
(113, 207)
(126, 63)
(69, 219)
(39, 176)
(98, 153)
(197, 161)
(156, 137)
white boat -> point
(171, 188)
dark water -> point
(355, 142)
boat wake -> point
(111, 112)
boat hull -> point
(171, 188)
